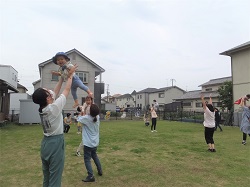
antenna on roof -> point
(172, 80)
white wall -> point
(9, 74)
(15, 101)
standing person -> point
(209, 123)
(63, 61)
(217, 119)
(245, 123)
(67, 121)
(90, 137)
(153, 118)
(52, 145)
(84, 110)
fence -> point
(185, 116)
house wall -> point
(15, 101)
(9, 74)
(240, 62)
(29, 112)
(83, 66)
(169, 96)
(124, 102)
(142, 101)
(198, 107)
(208, 87)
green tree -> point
(226, 95)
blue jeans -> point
(90, 152)
(77, 83)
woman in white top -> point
(209, 123)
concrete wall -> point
(29, 112)
(241, 74)
(15, 101)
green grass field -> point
(131, 155)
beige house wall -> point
(83, 66)
(169, 96)
(240, 62)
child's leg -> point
(82, 86)
(73, 92)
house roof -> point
(36, 81)
(196, 94)
(21, 86)
(79, 53)
(124, 96)
(147, 90)
(236, 49)
(4, 84)
(217, 81)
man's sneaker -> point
(89, 179)
(99, 172)
(244, 142)
(152, 131)
(78, 153)
(155, 130)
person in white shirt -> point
(153, 118)
(209, 123)
(52, 145)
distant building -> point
(191, 101)
(8, 84)
(163, 96)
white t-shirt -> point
(52, 118)
(209, 118)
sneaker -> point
(244, 142)
(99, 172)
(152, 131)
(89, 179)
(210, 150)
(155, 130)
(213, 150)
(78, 153)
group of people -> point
(212, 119)
(151, 113)
(50, 111)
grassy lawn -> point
(132, 156)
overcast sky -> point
(139, 43)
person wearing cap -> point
(52, 145)
(63, 61)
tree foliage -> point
(226, 95)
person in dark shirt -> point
(217, 119)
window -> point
(54, 77)
(161, 95)
(208, 89)
(140, 96)
(217, 104)
(137, 96)
(186, 104)
(83, 76)
(198, 105)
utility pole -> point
(107, 92)
(172, 80)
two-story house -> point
(163, 96)
(240, 68)
(87, 71)
(125, 101)
(191, 100)
(8, 83)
